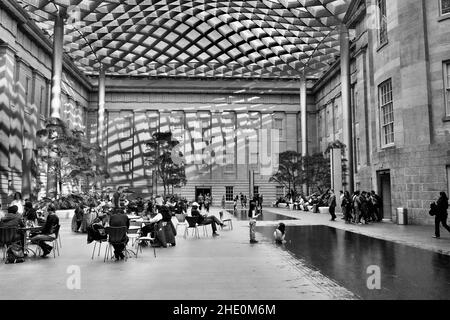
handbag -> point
(433, 209)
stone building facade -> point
(400, 101)
(400, 80)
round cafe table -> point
(26, 231)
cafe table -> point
(26, 231)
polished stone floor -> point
(209, 268)
(224, 267)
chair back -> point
(116, 234)
(192, 221)
(181, 217)
(7, 234)
(55, 230)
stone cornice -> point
(36, 34)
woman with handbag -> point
(441, 215)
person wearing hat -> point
(205, 220)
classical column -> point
(346, 104)
(101, 107)
(304, 128)
(7, 69)
(55, 102)
(57, 64)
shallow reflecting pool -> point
(242, 214)
(350, 258)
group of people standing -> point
(361, 207)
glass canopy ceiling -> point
(199, 38)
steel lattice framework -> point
(199, 38)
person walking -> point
(441, 215)
(332, 205)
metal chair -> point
(54, 240)
(7, 237)
(115, 236)
(192, 224)
(147, 239)
(227, 222)
(181, 220)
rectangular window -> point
(42, 101)
(358, 152)
(382, 22)
(125, 127)
(447, 87)
(279, 192)
(386, 112)
(27, 91)
(229, 161)
(229, 194)
(126, 162)
(445, 7)
(278, 124)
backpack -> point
(14, 254)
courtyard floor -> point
(224, 267)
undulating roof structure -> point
(199, 38)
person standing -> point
(260, 201)
(242, 200)
(346, 205)
(441, 215)
(356, 204)
(376, 202)
(332, 205)
(207, 202)
(252, 219)
(116, 197)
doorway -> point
(384, 187)
(202, 190)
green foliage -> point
(69, 156)
(162, 150)
(289, 172)
(295, 170)
(317, 172)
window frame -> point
(126, 162)
(441, 13)
(280, 130)
(446, 74)
(382, 105)
(228, 193)
(382, 33)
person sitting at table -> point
(205, 220)
(47, 231)
(163, 214)
(30, 213)
(13, 220)
(119, 219)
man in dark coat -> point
(119, 219)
